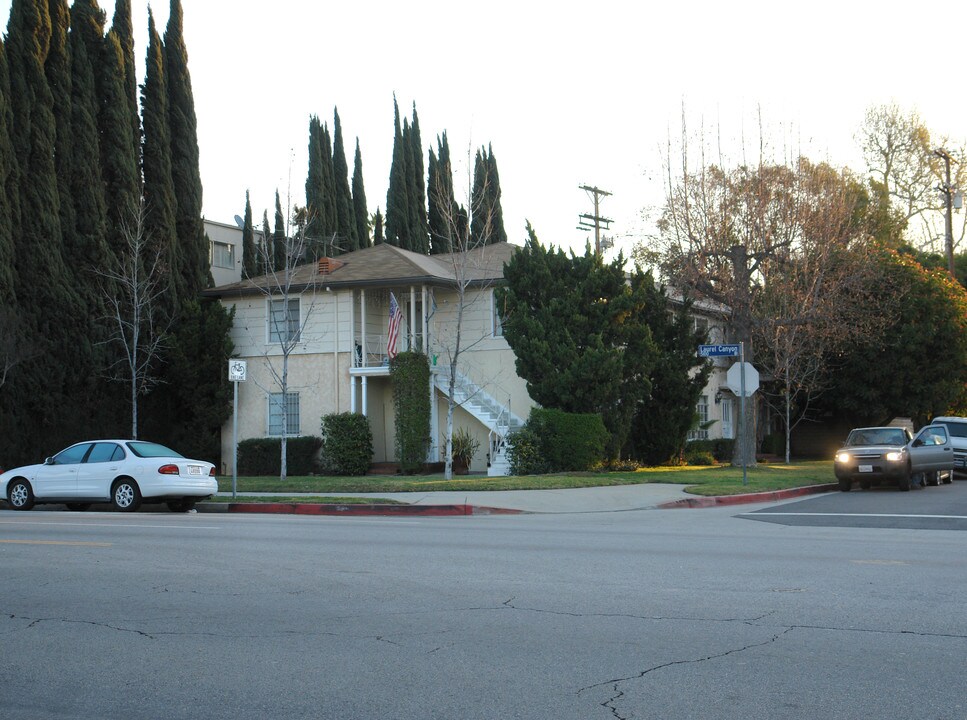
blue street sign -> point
(718, 350)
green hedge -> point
(347, 444)
(263, 456)
(410, 375)
(558, 441)
(720, 448)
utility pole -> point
(948, 193)
(595, 221)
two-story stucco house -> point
(337, 313)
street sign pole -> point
(745, 425)
(235, 441)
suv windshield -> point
(877, 436)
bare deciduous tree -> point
(764, 241)
(471, 265)
(900, 155)
(133, 286)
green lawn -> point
(721, 480)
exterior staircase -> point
(495, 416)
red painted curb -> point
(703, 502)
(363, 510)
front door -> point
(58, 477)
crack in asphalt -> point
(34, 622)
(611, 703)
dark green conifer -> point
(486, 214)
(122, 30)
(378, 238)
(57, 68)
(8, 189)
(266, 246)
(397, 204)
(313, 183)
(159, 195)
(185, 174)
(279, 240)
(345, 221)
(443, 210)
(46, 299)
(416, 189)
(359, 201)
(249, 251)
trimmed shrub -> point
(410, 374)
(720, 448)
(525, 455)
(556, 441)
(347, 444)
(263, 456)
(698, 457)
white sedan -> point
(122, 472)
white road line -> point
(878, 515)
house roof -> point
(386, 266)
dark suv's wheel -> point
(904, 482)
(20, 495)
(845, 485)
(125, 495)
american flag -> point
(395, 316)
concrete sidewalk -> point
(576, 500)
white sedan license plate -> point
(194, 469)
(866, 468)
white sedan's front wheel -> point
(20, 495)
(126, 496)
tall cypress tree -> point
(345, 221)
(266, 246)
(8, 190)
(397, 204)
(444, 212)
(316, 221)
(359, 201)
(185, 174)
(57, 68)
(378, 238)
(279, 243)
(45, 293)
(122, 30)
(486, 214)
(249, 251)
(120, 151)
(416, 188)
(86, 186)
(159, 194)
(330, 222)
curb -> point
(746, 498)
(352, 510)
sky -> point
(566, 94)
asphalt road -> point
(636, 614)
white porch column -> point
(411, 325)
(352, 350)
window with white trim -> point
(283, 320)
(701, 409)
(278, 407)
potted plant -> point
(465, 447)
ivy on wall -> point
(410, 375)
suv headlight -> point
(895, 456)
(842, 457)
